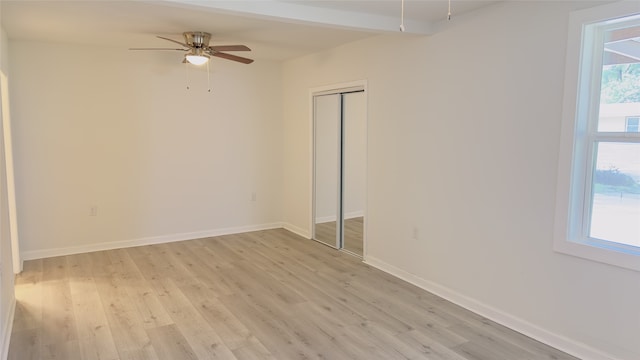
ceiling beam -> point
(303, 14)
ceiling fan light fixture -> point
(197, 59)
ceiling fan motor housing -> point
(197, 39)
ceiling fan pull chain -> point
(208, 78)
(449, 15)
(186, 71)
(402, 16)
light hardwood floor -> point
(261, 295)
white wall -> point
(463, 141)
(117, 129)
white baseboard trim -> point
(354, 214)
(296, 230)
(47, 253)
(559, 342)
(7, 327)
(325, 219)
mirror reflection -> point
(327, 146)
(340, 170)
(354, 161)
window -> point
(633, 123)
(598, 197)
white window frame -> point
(578, 134)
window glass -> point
(620, 85)
(615, 211)
(614, 205)
(633, 124)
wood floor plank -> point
(99, 263)
(356, 341)
(223, 254)
(486, 345)
(204, 341)
(28, 313)
(485, 327)
(170, 344)
(202, 262)
(69, 350)
(304, 282)
(125, 322)
(31, 273)
(54, 268)
(283, 341)
(230, 329)
(253, 349)
(58, 319)
(403, 308)
(140, 293)
(329, 281)
(259, 295)
(94, 334)
(25, 345)
(432, 347)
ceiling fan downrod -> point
(402, 16)
(197, 39)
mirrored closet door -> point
(339, 169)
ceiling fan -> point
(196, 44)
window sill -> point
(627, 260)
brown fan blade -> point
(175, 41)
(157, 49)
(229, 48)
(232, 57)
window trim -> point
(574, 180)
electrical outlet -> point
(415, 232)
(93, 211)
(253, 196)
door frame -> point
(10, 173)
(338, 88)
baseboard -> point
(354, 214)
(325, 219)
(47, 253)
(7, 328)
(559, 342)
(296, 230)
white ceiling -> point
(273, 29)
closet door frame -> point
(337, 89)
